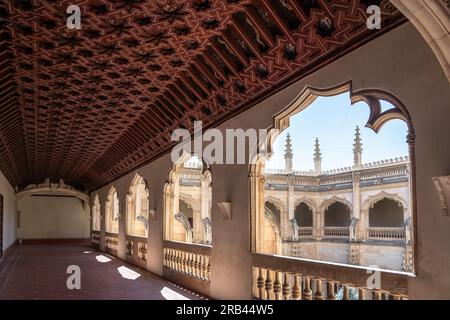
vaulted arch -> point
(138, 207)
(112, 210)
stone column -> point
(357, 203)
(121, 250)
(290, 207)
(318, 225)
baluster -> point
(277, 286)
(260, 284)
(188, 263)
(169, 258)
(346, 293)
(307, 292)
(208, 269)
(286, 287)
(268, 285)
(377, 295)
(200, 267)
(174, 259)
(192, 263)
(182, 266)
(361, 293)
(319, 290)
(196, 266)
(330, 290)
(205, 267)
(296, 289)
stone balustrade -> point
(336, 232)
(95, 239)
(193, 263)
(296, 279)
(112, 243)
(136, 250)
(387, 233)
(305, 231)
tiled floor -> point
(39, 272)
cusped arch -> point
(309, 202)
(334, 199)
(372, 97)
(372, 200)
(277, 203)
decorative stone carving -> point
(443, 187)
(353, 226)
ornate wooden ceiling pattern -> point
(90, 105)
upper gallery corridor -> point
(38, 271)
(96, 96)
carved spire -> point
(288, 154)
(317, 157)
(357, 149)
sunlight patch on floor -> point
(102, 259)
(127, 273)
(169, 294)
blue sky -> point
(333, 120)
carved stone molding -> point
(443, 187)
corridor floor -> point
(39, 272)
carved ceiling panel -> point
(92, 104)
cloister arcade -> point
(97, 109)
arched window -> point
(303, 215)
(337, 215)
(112, 211)
(272, 236)
(386, 213)
(96, 214)
(138, 208)
(187, 202)
(337, 148)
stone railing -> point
(305, 231)
(387, 233)
(190, 260)
(276, 278)
(136, 250)
(112, 243)
(95, 239)
(336, 232)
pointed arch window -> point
(337, 149)
(187, 202)
(112, 212)
(138, 208)
(96, 215)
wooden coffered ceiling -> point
(90, 105)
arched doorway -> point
(112, 212)
(304, 218)
(272, 238)
(137, 208)
(337, 220)
(386, 220)
(188, 201)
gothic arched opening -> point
(337, 215)
(386, 213)
(112, 212)
(188, 197)
(303, 215)
(138, 208)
